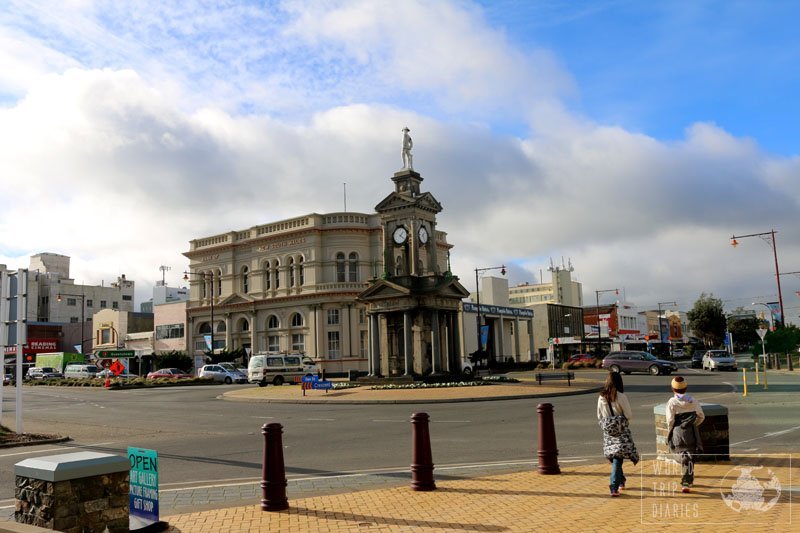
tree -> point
(173, 359)
(744, 330)
(707, 320)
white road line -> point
(381, 420)
(55, 449)
(451, 421)
(767, 435)
(264, 417)
(320, 419)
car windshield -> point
(649, 356)
(717, 355)
(48, 369)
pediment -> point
(427, 202)
(394, 201)
(234, 299)
(383, 289)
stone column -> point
(371, 346)
(227, 333)
(408, 340)
(517, 354)
(500, 341)
(456, 344)
(436, 343)
(533, 356)
(253, 336)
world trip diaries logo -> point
(748, 489)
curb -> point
(34, 442)
(438, 400)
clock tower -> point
(413, 308)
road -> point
(203, 440)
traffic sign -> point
(323, 385)
(761, 332)
(115, 353)
(117, 367)
(310, 379)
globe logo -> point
(748, 492)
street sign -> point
(310, 379)
(102, 364)
(323, 385)
(117, 367)
(115, 353)
(761, 332)
(143, 487)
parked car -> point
(677, 353)
(103, 374)
(79, 370)
(718, 360)
(631, 361)
(7, 379)
(169, 373)
(582, 358)
(45, 372)
(697, 359)
(224, 374)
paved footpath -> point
(576, 500)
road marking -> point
(264, 417)
(382, 420)
(55, 449)
(452, 421)
(767, 435)
(321, 419)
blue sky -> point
(632, 137)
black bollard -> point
(273, 473)
(548, 452)
(789, 365)
(777, 361)
(421, 459)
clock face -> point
(400, 235)
(423, 235)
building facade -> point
(561, 289)
(169, 321)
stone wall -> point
(84, 505)
(713, 432)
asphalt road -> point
(202, 440)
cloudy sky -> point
(632, 138)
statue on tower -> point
(407, 145)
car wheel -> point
(278, 381)
(262, 383)
(614, 368)
(654, 370)
(228, 380)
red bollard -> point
(421, 459)
(548, 452)
(273, 473)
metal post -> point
(548, 451)
(744, 380)
(778, 278)
(478, 297)
(421, 458)
(273, 472)
(22, 301)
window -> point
(297, 320)
(115, 305)
(73, 319)
(291, 272)
(272, 322)
(72, 302)
(352, 267)
(273, 343)
(275, 361)
(362, 316)
(171, 331)
(245, 280)
(105, 336)
(333, 317)
(301, 271)
(244, 325)
(298, 342)
(89, 303)
(205, 328)
(127, 297)
(276, 266)
(340, 267)
(363, 348)
(333, 344)
(267, 277)
(103, 304)
(200, 346)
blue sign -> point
(143, 493)
(323, 385)
(310, 379)
(484, 337)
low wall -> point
(714, 432)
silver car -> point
(223, 373)
(718, 360)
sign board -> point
(310, 379)
(761, 332)
(117, 367)
(143, 495)
(102, 364)
(323, 385)
(115, 353)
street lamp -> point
(597, 314)
(660, 329)
(767, 236)
(771, 318)
(204, 276)
(502, 269)
(83, 314)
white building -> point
(561, 289)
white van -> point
(279, 368)
(78, 370)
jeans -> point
(617, 477)
(687, 462)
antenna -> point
(163, 269)
(344, 185)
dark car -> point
(697, 359)
(630, 361)
(582, 358)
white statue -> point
(407, 145)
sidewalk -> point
(576, 500)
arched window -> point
(301, 271)
(297, 320)
(352, 267)
(219, 283)
(275, 267)
(340, 274)
(205, 328)
(244, 324)
(221, 328)
(203, 288)
(272, 322)
(245, 279)
(291, 271)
